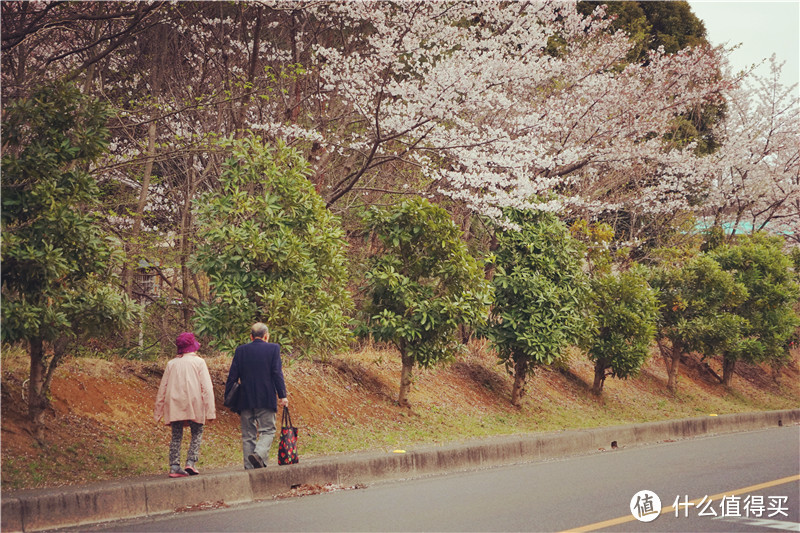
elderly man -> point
(257, 365)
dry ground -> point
(101, 426)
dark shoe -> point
(191, 470)
(256, 461)
(178, 473)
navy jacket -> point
(258, 366)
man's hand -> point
(284, 402)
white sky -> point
(762, 28)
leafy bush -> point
(423, 285)
(272, 252)
(58, 263)
(539, 288)
(758, 263)
(622, 313)
(698, 302)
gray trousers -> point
(258, 430)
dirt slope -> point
(101, 425)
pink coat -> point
(185, 392)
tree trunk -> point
(405, 379)
(87, 84)
(665, 352)
(674, 363)
(40, 378)
(186, 225)
(37, 399)
(520, 373)
(464, 331)
(132, 243)
(133, 240)
(728, 365)
(599, 377)
(60, 346)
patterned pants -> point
(194, 444)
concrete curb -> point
(38, 510)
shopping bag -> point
(287, 448)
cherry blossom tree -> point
(469, 94)
(754, 178)
(473, 98)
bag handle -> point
(286, 418)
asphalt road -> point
(592, 492)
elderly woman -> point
(185, 398)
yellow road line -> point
(671, 508)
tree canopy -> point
(653, 24)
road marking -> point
(671, 508)
(763, 522)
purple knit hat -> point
(186, 343)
